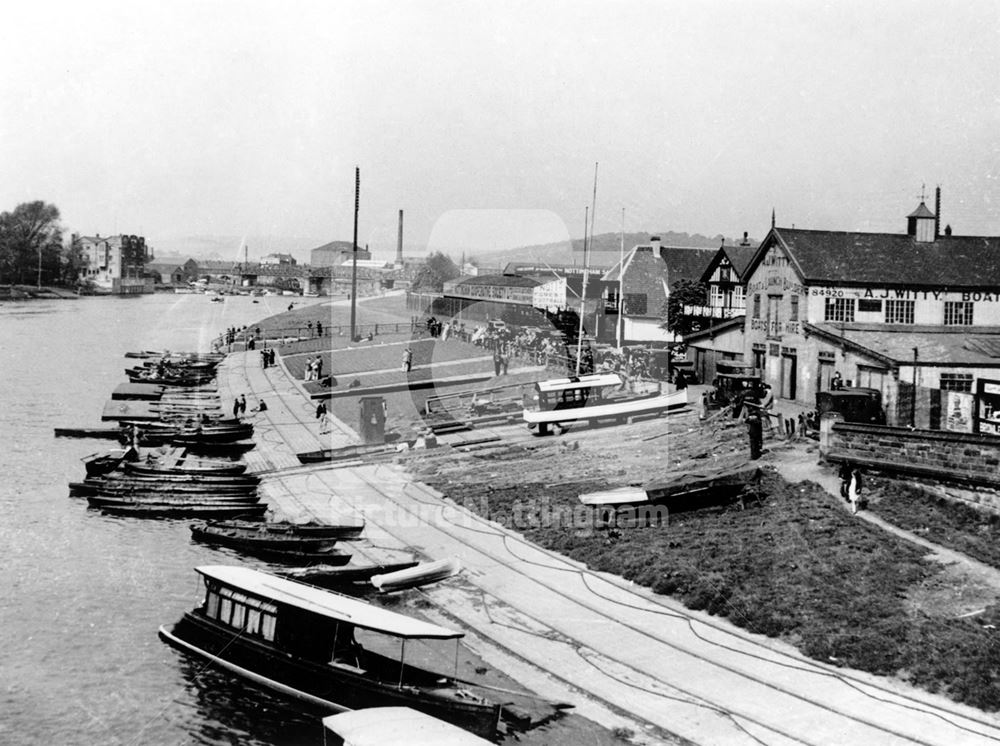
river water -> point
(83, 593)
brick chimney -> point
(654, 241)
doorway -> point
(789, 375)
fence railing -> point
(304, 332)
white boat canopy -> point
(397, 726)
(596, 379)
(325, 603)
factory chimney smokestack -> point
(399, 242)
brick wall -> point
(958, 465)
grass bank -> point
(795, 566)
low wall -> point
(957, 465)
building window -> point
(839, 309)
(957, 313)
(739, 297)
(717, 299)
(635, 304)
(794, 315)
(756, 305)
(899, 311)
(869, 305)
(956, 382)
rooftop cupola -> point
(921, 223)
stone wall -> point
(957, 465)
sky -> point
(207, 125)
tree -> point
(73, 262)
(30, 238)
(435, 273)
(683, 293)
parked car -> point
(854, 404)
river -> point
(85, 593)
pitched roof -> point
(686, 264)
(936, 345)
(887, 259)
(510, 281)
(922, 211)
(682, 263)
(739, 257)
(164, 266)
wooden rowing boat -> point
(414, 577)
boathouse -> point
(915, 315)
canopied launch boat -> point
(300, 641)
(591, 398)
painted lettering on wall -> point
(776, 282)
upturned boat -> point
(301, 642)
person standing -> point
(236, 408)
(407, 360)
(320, 410)
(319, 328)
(319, 368)
(243, 404)
(755, 431)
(496, 360)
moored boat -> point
(193, 467)
(299, 640)
(182, 509)
(244, 535)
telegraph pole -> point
(354, 262)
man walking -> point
(407, 360)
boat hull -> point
(607, 410)
(324, 687)
(190, 510)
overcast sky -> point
(483, 120)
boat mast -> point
(621, 284)
(586, 267)
(354, 262)
(579, 333)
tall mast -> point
(354, 262)
(621, 284)
(586, 267)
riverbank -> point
(33, 292)
(771, 567)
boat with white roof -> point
(300, 641)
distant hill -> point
(605, 248)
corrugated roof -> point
(888, 259)
(324, 603)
